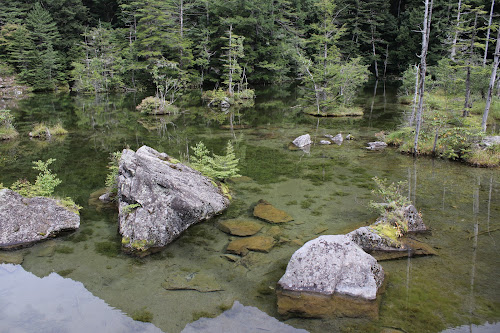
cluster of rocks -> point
(305, 140)
(338, 275)
(246, 230)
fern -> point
(216, 166)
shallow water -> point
(327, 191)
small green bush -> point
(43, 131)
(7, 130)
(215, 166)
(214, 97)
(112, 176)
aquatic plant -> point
(129, 208)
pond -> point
(326, 191)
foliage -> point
(214, 97)
(45, 182)
(129, 208)
(7, 130)
(392, 207)
(219, 167)
(489, 157)
(112, 176)
(41, 130)
(143, 315)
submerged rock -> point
(376, 145)
(24, 221)
(159, 198)
(241, 246)
(240, 227)
(325, 142)
(198, 281)
(241, 319)
(264, 210)
(330, 275)
(302, 140)
(16, 258)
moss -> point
(143, 315)
(141, 244)
(130, 208)
(291, 203)
(64, 249)
(65, 272)
(69, 204)
(107, 248)
(202, 314)
(43, 131)
(224, 307)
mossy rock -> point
(198, 281)
(240, 227)
(241, 246)
(267, 212)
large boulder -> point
(159, 198)
(24, 221)
(330, 275)
(302, 141)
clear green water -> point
(326, 191)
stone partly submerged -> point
(376, 145)
(159, 198)
(240, 227)
(267, 212)
(24, 221)
(241, 319)
(382, 241)
(241, 246)
(330, 276)
(198, 281)
(302, 141)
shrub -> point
(44, 185)
(43, 131)
(7, 130)
(214, 97)
(149, 105)
(215, 166)
(112, 177)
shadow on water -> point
(327, 191)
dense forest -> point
(106, 45)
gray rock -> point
(369, 240)
(241, 319)
(338, 139)
(159, 198)
(376, 145)
(415, 222)
(333, 264)
(325, 142)
(24, 221)
(491, 140)
(224, 104)
(302, 141)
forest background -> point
(117, 45)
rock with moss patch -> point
(198, 281)
(159, 198)
(267, 212)
(240, 227)
(241, 246)
(330, 275)
(24, 221)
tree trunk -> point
(374, 53)
(415, 95)
(468, 103)
(454, 43)
(423, 69)
(492, 82)
(230, 73)
(488, 33)
(386, 61)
